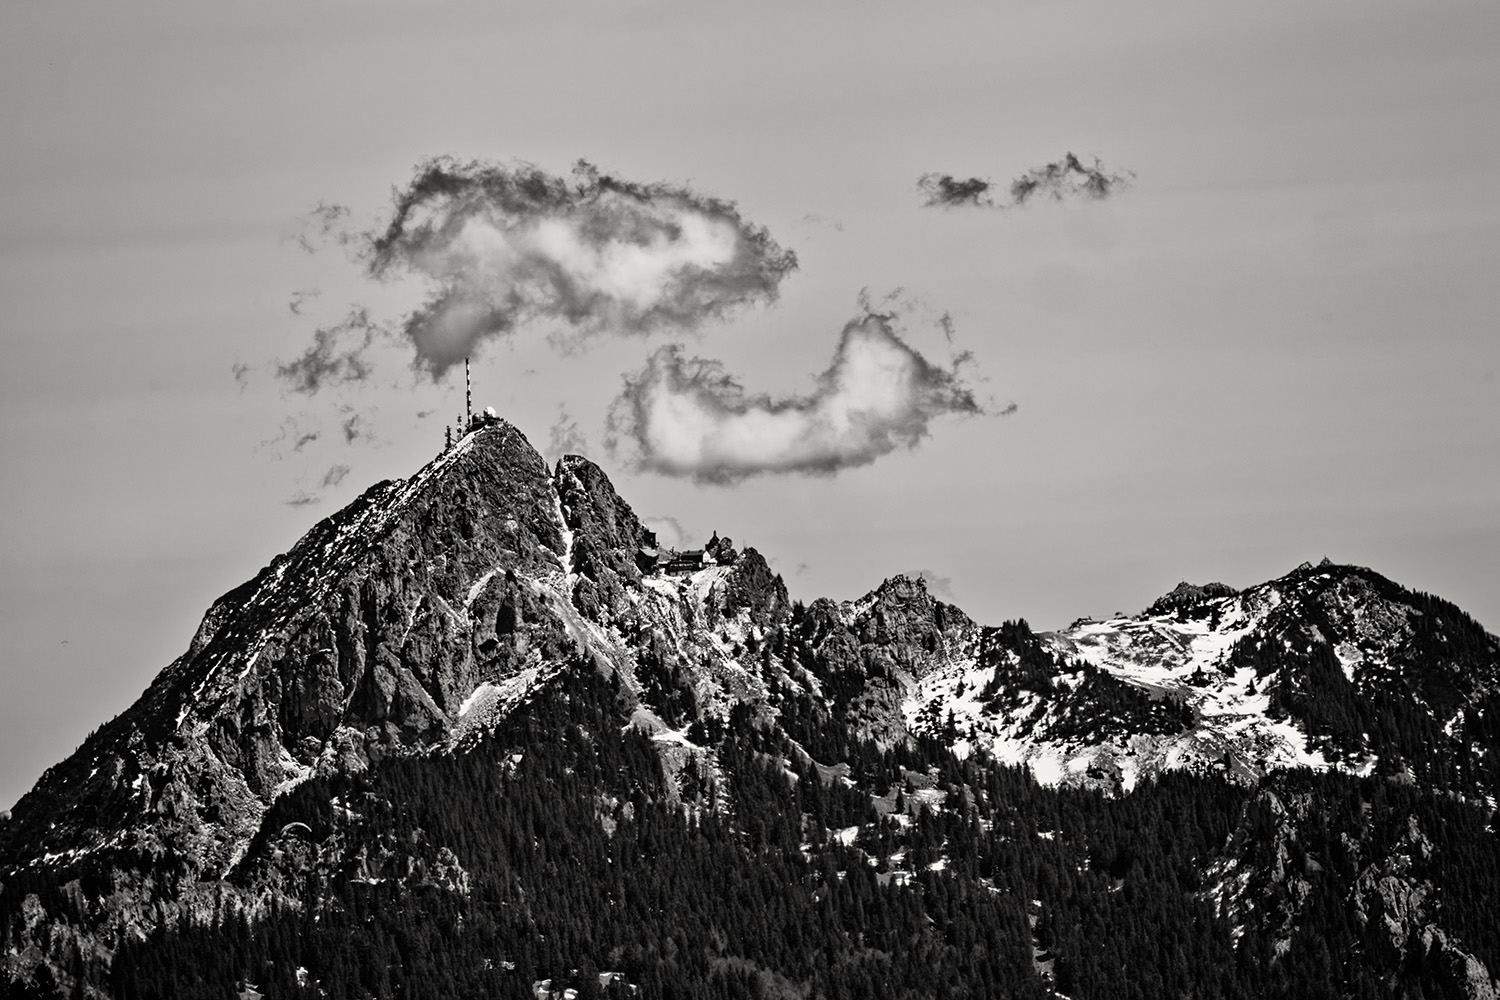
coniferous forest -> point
(554, 851)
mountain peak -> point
(340, 650)
(492, 634)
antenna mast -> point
(468, 397)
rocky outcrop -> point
(871, 652)
(607, 536)
(752, 587)
(1188, 594)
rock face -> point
(424, 620)
(607, 538)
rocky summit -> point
(479, 735)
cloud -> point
(682, 416)
(945, 190)
(812, 218)
(505, 247)
(323, 222)
(897, 300)
(565, 437)
(301, 499)
(241, 373)
(334, 476)
(945, 322)
(293, 433)
(938, 586)
(336, 355)
(669, 530)
(353, 426)
(1066, 178)
(300, 297)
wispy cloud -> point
(334, 476)
(354, 426)
(565, 437)
(299, 298)
(945, 190)
(337, 355)
(323, 223)
(1066, 178)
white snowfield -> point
(1163, 656)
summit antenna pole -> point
(468, 397)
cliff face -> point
(456, 615)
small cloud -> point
(947, 191)
(897, 300)
(334, 476)
(683, 416)
(300, 297)
(354, 426)
(293, 434)
(815, 219)
(301, 499)
(565, 437)
(945, 323)
(323, 222)
(241, 374)
(669, 531)
(336, 356)
(1067, 178)
(939, 586)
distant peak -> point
(1185, 594)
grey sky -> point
(1279, 342)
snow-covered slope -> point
(1291, 673)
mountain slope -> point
(468, 738)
